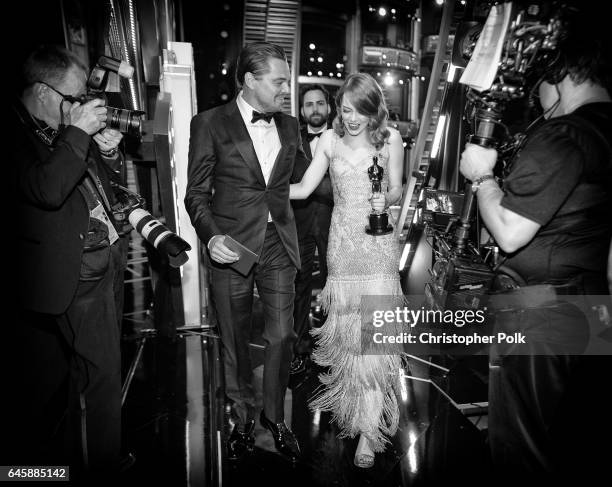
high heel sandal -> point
(364, 456)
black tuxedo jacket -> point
(226, 190)
(52, 216)
(306, 210)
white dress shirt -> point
(264, 135)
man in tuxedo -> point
(241, 159)
(312, 218)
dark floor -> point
(176, 422)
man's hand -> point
(108, 139)
(219, 252)
(477, 161)
(90, 117)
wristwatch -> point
(478, 181)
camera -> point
(130, 207)
(125, 121)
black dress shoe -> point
(284, 439)
(298, 364)
(241, 443)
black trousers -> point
(549, 411)
(232, 297)
(68, 384)
(314, 240)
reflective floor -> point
(176, 422)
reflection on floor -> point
(176, 422)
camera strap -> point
(43, 131)
(96, 207)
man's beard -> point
(319, 120)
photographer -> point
(66, 340)
(552, 219)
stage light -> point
(320, 73)
(382, 11)
(320, 59)
(309, 73)
(439, 2)
(311, 60)
(339, 75)
(311, 46)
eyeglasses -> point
(68, 98)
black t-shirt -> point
(562, 179)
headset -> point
(556, 70)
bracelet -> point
(478, 181)
(109, 153)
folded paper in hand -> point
(246, 258)
(482, 68)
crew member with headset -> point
(548, 408)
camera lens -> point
(126, 121)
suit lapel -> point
(234, 125)
(306, 144)
(282, 126)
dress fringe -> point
(359, 390)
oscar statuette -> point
(379, 220)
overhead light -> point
(320, 73)
(320, 59)
(389, 80)
(311, 46)
(382, 11)
(401, 82)
(439, 2)
(309, 73)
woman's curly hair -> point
(367, 97)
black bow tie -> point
(310, 136)
(264, 116)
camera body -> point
(125, 121)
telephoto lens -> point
(158, 235)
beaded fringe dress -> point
(359, 390)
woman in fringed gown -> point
(359, 389)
